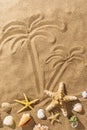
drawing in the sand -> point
(60, 60)
(17, 34)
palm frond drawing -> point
(61, 60)
(17, 34)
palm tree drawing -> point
(61, 60)
(20, 34)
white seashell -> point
(40, 127)
(41, 114)
(74, 124)
(6, 107)
(8, 121)
(84, 94)
(77, 107)
(24, 119)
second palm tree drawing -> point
(61, 60)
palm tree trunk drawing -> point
(20, 33)
(56, 76)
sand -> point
(43, 43)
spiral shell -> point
(24, 119)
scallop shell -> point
(8, 121)
(41, 114)
(24, 119)
(77, 107)
(84, 94)
(40, 127)
(6, 107)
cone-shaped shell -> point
(24, 120)
(77, 107)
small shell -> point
(77, 107)
(40, 127)
(84, 94)
(41, 114)
(6, 107)
(8, 121)
(74, 124)
(24, 119)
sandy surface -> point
(32, 35)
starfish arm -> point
(30, 107)
(69, 98)
(52, 122)
(57, 114)
(23, 108)
(64, 109)
(61, 87)
(57, 120)
(21, 102)
(49, 118)
(52, 105)
(26, 99)
(49, 93)
(34, 101)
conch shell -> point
(24, 119)
(77, 107)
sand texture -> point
(43, 42)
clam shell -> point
(41, 114)
(84, 94)
(24, 119)
(8, 121)
(77, 107)
(6, 107)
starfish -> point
(59, 99)
(26, 103)
(54, 118)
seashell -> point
(41, 114)
(84, 94)
(74, 124)
(77, 107)
(24, 119)
(8, 121)
(40, 127)
(6, 107)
